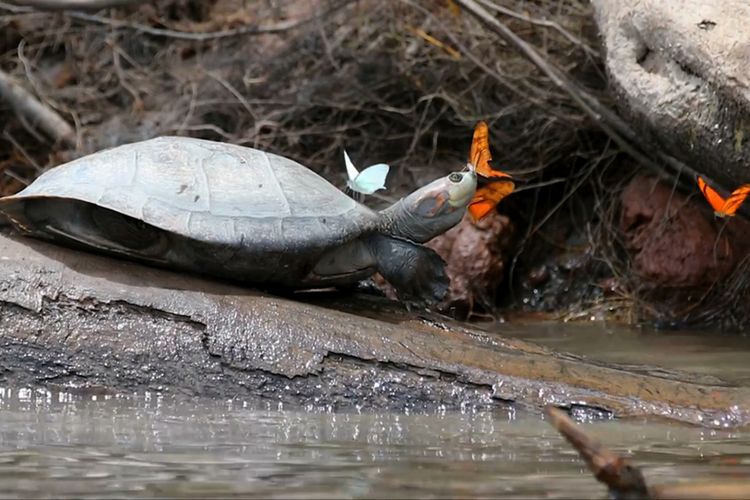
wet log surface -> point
(74, 319)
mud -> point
(674, 240)
(476, 256)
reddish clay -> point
(674, 239)
(475, 258)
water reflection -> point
(702, 352)
(63, 444)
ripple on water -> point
(143, 445)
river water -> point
(63, 443)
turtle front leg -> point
(417, 272)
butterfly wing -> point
(479, 154)
(496, 184)
(351, 170)
(487, 197)
(736, 199)
(371, 179)
(478, 210)
(713, 198)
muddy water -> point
(56, 444)
(726, 356)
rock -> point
(79, 320)
(673, 239)
(679, 68)
(475, 256)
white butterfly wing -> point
(351, 170)
(371, 179)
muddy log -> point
(79, 320)
(679, 69)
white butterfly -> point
(368, 180)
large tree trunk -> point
(680, 69)
(77, 319)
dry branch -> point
(279, 27)
(29, 107)
(614, 126)
(74, 4)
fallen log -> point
(77, 319)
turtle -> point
(241, 214)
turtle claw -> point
(417, 272)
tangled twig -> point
(614, 126)
(74, 4)
(34, 111)
(279, 27)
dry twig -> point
(37, 113)
(74, 4)
(606, 119)
(279, 27)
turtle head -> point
(434, 208)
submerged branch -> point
(625, 480)
(622, 478)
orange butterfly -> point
(724, 207)
(494, 185)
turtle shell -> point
(197, 204)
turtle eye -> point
(455, 177)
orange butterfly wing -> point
(487, 197)
(479, 155)
(496, 183)
(736, 199)
(713, 198)
(724, 207)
